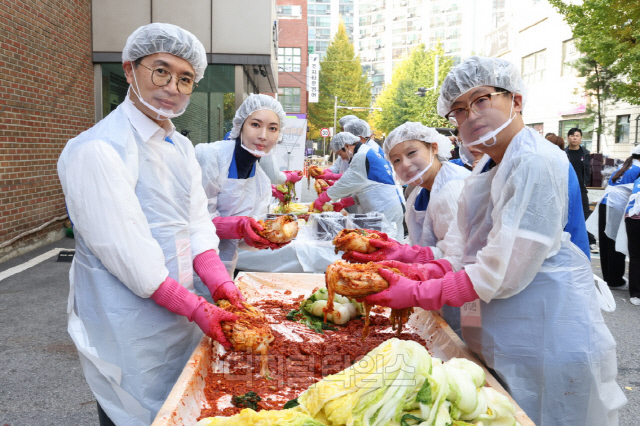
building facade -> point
(292, 56)
(538, 40)
(62, 72)
(323, 18)
(386, 31)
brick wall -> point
(46, 98)
(293, 33)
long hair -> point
(625, 166)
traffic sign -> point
(324, 132)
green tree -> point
(398, 99)
(598, 82)
(341, 75)
(608, 32)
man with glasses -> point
(532, 314)
(133, 189)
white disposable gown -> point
(231, 197)
(139, 215)
(428, 227)
(374, 189)
(538, 323)
(269, 165)
(617, 197)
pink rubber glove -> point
(454, 289)
(293, 176)
(279, 195)
(214, 275)
(321, 200)
(327, 174)
(236, 227)
(344, 203)
(392, 250)
(421, 272)
(179, 300)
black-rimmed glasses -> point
(161, 77)
(479, 106)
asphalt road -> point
(41, 381)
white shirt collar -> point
(146, 127)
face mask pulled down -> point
(484, 128)
(415, 171)
(255, 152)
(161, 114)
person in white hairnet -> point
(368, 178)
(532, 314)
(419, 157)
(361, 129)
(133, 189)
(338, 167)
(237, 189)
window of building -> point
(323, 21)
(291, 11)
(622, 128)
(321, 46)
(533, 67)
(569, 54)
(323, 33)
(365, 20)
(289, 59)
(399, 40)
(378, 19)
(398, 53)
(323, 9)
(414, 26)
(587, 130)
(399, 28)
(346, 9)
(311, 33)
(289, 97)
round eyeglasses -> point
(161, 77)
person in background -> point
(632, 228)
(533, 315)
(338, 167)
(555, 139)
(580, 159)
(133, 189)
(361, 129)
(369, 179)
(237, 189)
(608, 218)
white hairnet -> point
(477, 71)
(358, 127)
(344, 120)
(341, 139)
(166, 38)
(256, 103)
(636, 150)
(419, 132)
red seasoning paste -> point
(298, 357)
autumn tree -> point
(341, 75)
(398, 99)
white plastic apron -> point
(131, 349)
(549, 340)
(617, 199)
(241, 197)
